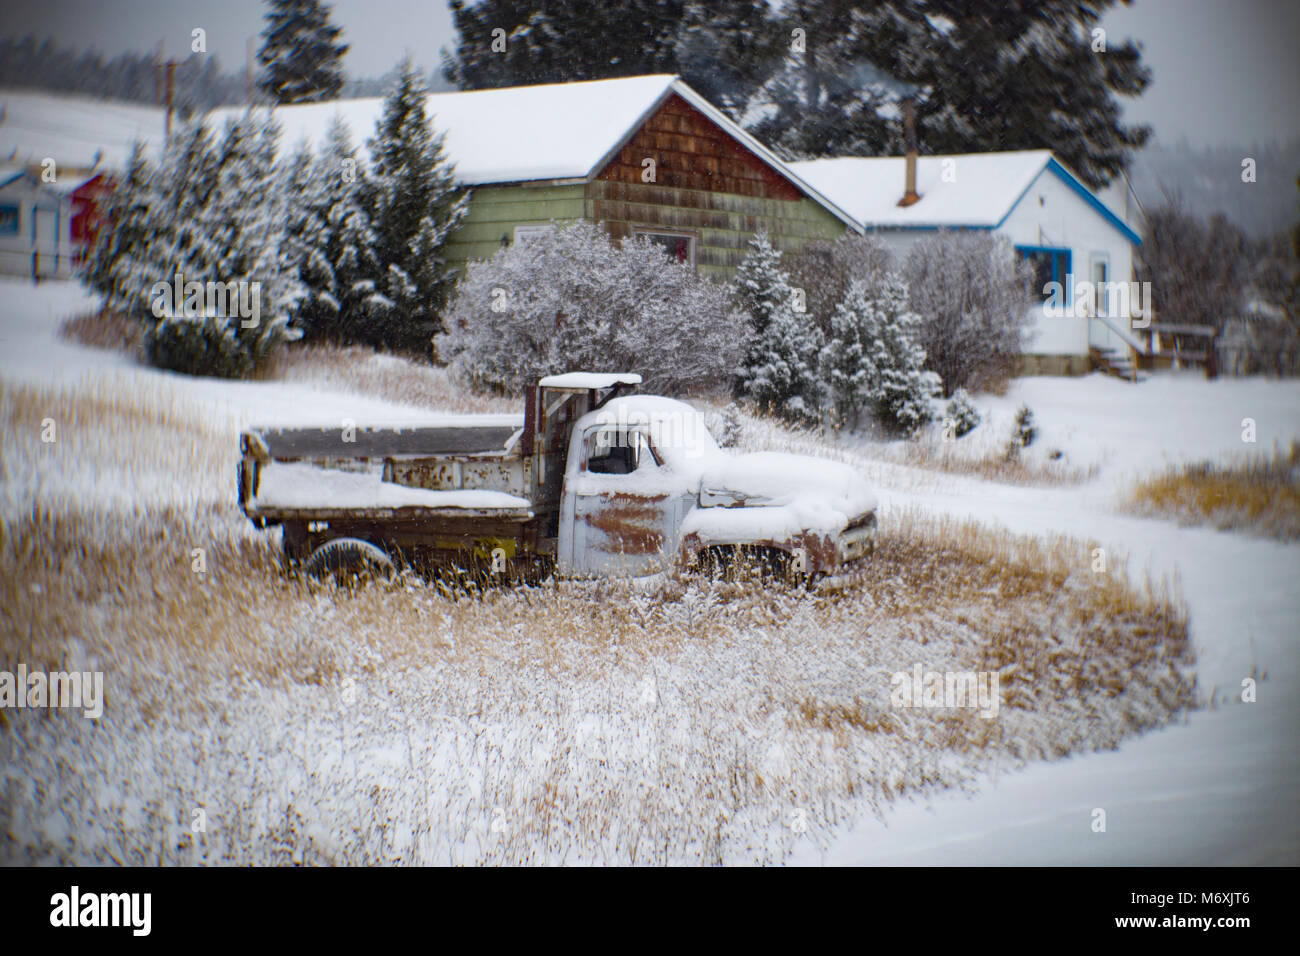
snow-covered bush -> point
(1023, 433)
(974, 298)
(726, 427)
(962, 415)
(779, 369)
(872, 361)
(572, 299)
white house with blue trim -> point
(35, 227)
(1069, 234)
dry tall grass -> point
(1259, 495)
(619, 721)
(364, 371)
(103, 329)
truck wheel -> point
(345, 559)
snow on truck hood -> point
(773, 479)
(774, 496)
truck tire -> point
(346, 559)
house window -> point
(680, 246)
(527, 232)
(8, 220)
(1050, 264)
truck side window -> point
(616, 451)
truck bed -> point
(460, 470)
(299, 444)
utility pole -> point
(170, 67)
(165, 84)
(248, 73)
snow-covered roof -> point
(74, 130)
(528, 133)
(978, 192)
(585, 380)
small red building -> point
(87, 201)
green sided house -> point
(645, 155)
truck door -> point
(620, 513)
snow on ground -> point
(1220, 788)
(31, 352)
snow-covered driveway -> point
(1220, 789)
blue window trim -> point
(18, 218)
(1057, 253)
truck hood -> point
(773, 479)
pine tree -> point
(727, 49)
(872, 362)
(987, 75)
(778, 370)
(414, 207)
(223, 223)
(330, 243)
(123, 232)
(903, 391)
(302, 57)
(547, 42)
(847, 360)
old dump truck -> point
(594, 479)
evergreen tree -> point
(847, 360)
(872, 362)
(727, 49)
(553, 41)
(302, 57)
(414, 207)
(778, 370)
(903, 389)
(330, 243)
(987, 75)
(123, 231)
(230, 235)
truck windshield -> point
(616, 451)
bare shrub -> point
(973, 298)
(573, 299)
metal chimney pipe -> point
(910, 194)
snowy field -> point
(1218, 786)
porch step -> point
(1116, 362)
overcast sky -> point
(1225, 71)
